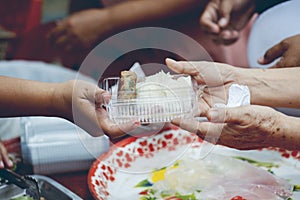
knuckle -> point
(268, 54)
(284, 44)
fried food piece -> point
(127, 87)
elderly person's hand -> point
(216, 77)
(223, 19)
(83, 104)
(80, 30)
(288, 50)
(4, 158)
(247, 127)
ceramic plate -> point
(115, 174)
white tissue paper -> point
(239, 95)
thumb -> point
(225, 115)
(225, 12)
(101, 96)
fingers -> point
(115, 131)
(102, 97)
(228, 37)
(57, 32)
(112, 129)
(290, 58)
(207, 131)
(274, 52)
(228, 115)
(4, 158)
(182, 67)
(207, 73)
(193, 126)
(203, 107)
(225, 12)
(209, 18)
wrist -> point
(259, 85)
(286, 134)
(62, 100)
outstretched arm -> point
(84, 29)
(77, 101)
(270, 87)
(247, 127)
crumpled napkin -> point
(239, 95)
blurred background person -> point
(85, 29)
(223, 20)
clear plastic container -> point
(154, 102)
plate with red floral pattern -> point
(177, 165)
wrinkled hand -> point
(85, 108)
(288, 50)
(223, 19)
(4, 158)
(216, 77)
(247, 127)
(80, 30)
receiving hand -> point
(80, 30)
(223, 19)
(247, 127)
(84, 106)
(216, 77)
(4, 158)
(288, 50)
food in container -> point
(153, 99)
(127, 86)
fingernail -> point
(260, 60)
(223, 22)
(1, 164)
(171, 61)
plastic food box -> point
(155, 101)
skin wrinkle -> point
(258, 121)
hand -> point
(289, 51)
(223, 19)
(247, 127)
(80, 30)
(216, 77)
(4, 158)
(84, 106)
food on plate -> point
(127, 86)
(213, 178)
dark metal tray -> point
(50, 190)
